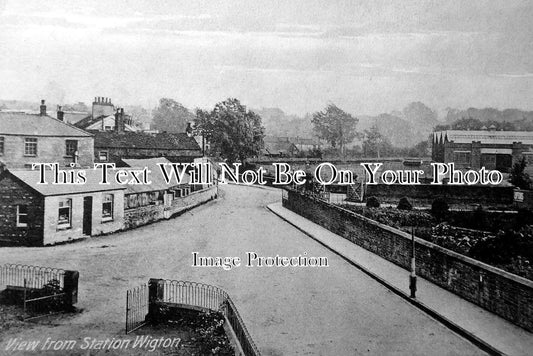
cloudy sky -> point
(368, 56)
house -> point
(305, 144)
(108, 122)
(278, 147)
(40, 138)
(482, 148)
(113, 146)
(34, 214)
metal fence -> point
(31, 276)
(193, 294)
(39, 289)
(136, 308)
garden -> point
(503, 239)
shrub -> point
(405, 204)
(372, 202)
(439, 208)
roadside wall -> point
(150, 213)
(454, 194)
(498, 291)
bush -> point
(439, 208)
(372, 202)
(405, 204)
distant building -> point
(40, 138)
(279, 147)
(475, 149)
(108, 123)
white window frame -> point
(106, 153)
(31, 142)
(62, 205)
(108, 199)
(19, 214)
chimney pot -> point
(60, 113)
(43, 108)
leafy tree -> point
(171, 116)
(375, 144)
(518, 175)
(233, 132)
(335, 126)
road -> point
(336, 310)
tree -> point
(171, 116)
(375, 144)
(335, 126)
(518, 175)
(233, 132)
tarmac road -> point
(335, 310)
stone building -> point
(475, 149)
(30, 138)
(34, 214)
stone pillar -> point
(155, 295)
(518, 148)
(71, 287)
(475, 156)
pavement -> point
(488, 331)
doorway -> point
(87, 215)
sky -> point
(367, 57)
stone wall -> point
(191, 200)
(12, 193)
(454, 194)
(498, 291)
(142, 215)
(150, 213)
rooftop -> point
(19, 123)
(487, 137)
(167, 141)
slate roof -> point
(485, 137)
(18, 123)
(31, 177)
(167, 141)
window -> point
(103, 156)
(108, 128)
(71, 148)
(462, 157)
(22, 215)
(65, 213)
(107, 207)
(30, 146)
(1, 146)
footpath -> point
(490, 332)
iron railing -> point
(30, 276)
(136, 308)
(39, 289)
(193, 294)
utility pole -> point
(412, 276)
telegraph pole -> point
(412, 276)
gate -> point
(136, 308)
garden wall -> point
(454, 194)
(498, 291)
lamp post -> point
(412, 276)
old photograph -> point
(275, 178)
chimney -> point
(189, 130)
(60, 113)
(122, 121)
(43, 108)
(119, 120)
